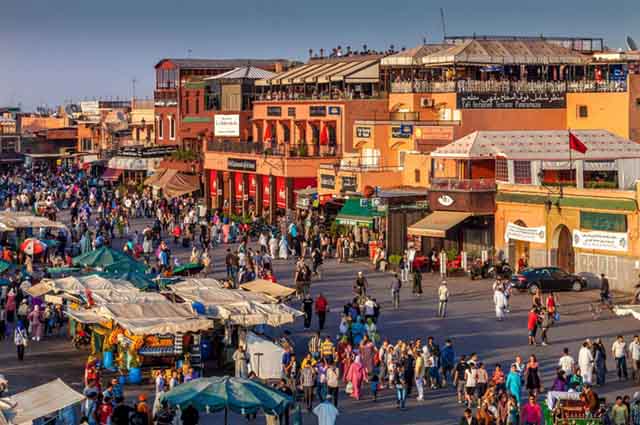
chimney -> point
(278, 67)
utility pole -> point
(133, 86)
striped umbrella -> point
(32, 246)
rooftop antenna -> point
(444, 25)
(133, 87)
(631, 43)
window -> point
(522, 171)
(137, 134)
(583, 111)
(416, 175)
(502, 170)
(172, 127)
(186, 102)
(197, 103)
(160, 129)
(401, 156)
(86, 145)
(286, 133)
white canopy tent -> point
(16, 220)
(42, 401)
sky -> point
(55, 51)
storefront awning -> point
(181, 184)
(436, 224)
(112, 174)
(357, 212)
(155, 177)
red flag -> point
(576, 144)
(324, 135)
(267, 133)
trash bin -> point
(135, 375)
(107, 359)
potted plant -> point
(303, 149)
(394, 261)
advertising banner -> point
(527, 234)
(604, 241)
(226, 125)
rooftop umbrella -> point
(100, 257)
(139, 280)
(241, 395)
(57, 271)
(32, 246)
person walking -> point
(356, 375)
(322, 306)
(20, 339)
(619, 351)
(333, 382)
(634, 354)
(500, 302)
(585, 362)
(532, 376)
(396, 285)
(241, 361)
(600, 362)
(307, 308)
(443, 299)
(308, 380)
(532, 325)
(514, 384)
(545, 323)
(531, 413)
(417, 282)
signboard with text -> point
(226, 125)
(327, 181)
(603, 241)
(241, 164)
(526, 234)
(511, 100)
(363, 132)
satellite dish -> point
(631, 44)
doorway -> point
(563, 245)
(518, 249)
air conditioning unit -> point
(426, 102)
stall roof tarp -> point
(181, 184)
(269, 288)
(437, 223)
(239, 306)
(150, 181)
(624, 310)
(112, 174)
(165, 178)
(16, 220)
(156, 318)
(39, 401)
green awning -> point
(357, 212)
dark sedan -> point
(547, 279)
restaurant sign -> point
(402, 132)
(363, 132)
(511, 101)
(317, 111)
(241, 164)
(334, 110)
(327, 181)
(604, 241)
(527, 234)
(349, 183)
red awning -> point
(253, 184)
(238, 181)
(303, 183)
(112, 174)
(266, 191)
(213, 183)
(281, 193)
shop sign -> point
(241, 164)
(363, 132)
(291, 112)
(327, 181)
(606, 222)
(511, 101)
(334, 110)
(274, 111)
(605, 241)
(349, 183)
(226, 125)
(439, 133)
(317, 111)
(445, 200)
(527, 234)
(142, 152)
(402, 132)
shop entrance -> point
(518, 249)
(563, 246)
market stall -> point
(266, 287)
(38, 405)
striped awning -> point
(436, 224)
(112, 174)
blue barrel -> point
(122, 380)
(205, 349)
(135, 375)
(107, 359)
(179, 364)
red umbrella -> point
(32, 246)
(267, 132)
(324, 135)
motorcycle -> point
(502, 269)
(480, 269)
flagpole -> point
(570, 158)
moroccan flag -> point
(576, 144)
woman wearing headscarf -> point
(356, 375)
(284, 248)
(367, 352)
(357, 331)
(514, 384)
(345, 355)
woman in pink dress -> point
(35, 318)
(367, 352)
(356, 374)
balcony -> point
(358, 168)
(274, 149)
(284, 96)
(472, 195)
(494, 86)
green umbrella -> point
(127, 265)
(4, 266)
(56, 271)
(139, 280)
(100, 257)
(188, 268)
(243, 396)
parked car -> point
(547, 279)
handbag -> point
(556, 316)
(349, 388)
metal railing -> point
(466, 185)
(274, 149)
(491, 86)
(285, 96)
(359, 167)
